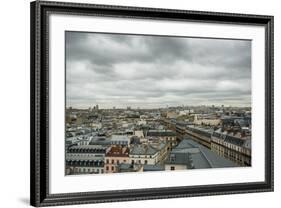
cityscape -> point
(174, 138)
(140, 103)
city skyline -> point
(114, 70)
(164, 107)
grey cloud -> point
(112, 70)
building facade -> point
(168, 136)
(88, 159)
(236, 148)
(148, 154)
(115, 156)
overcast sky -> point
(152, 71)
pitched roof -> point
(194, 155)
(118, 151)
(146, 149)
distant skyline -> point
(155, 72)
(146, 108)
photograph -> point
(140, 103)
(133, 103)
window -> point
(172, 167)
(112, 161)
(112, 168)
(145, 162)
(107, 168)
(133, 162)
(117, 162)
(107, 161)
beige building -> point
(212, 121)
(167, 136)
(172, 114)
(148, 154)
(115, 156)
(236, 148)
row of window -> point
(83, 155)
(138, 161)
(113, 161)
(230, 154)
(150, 156)
(87, 170)
(234, 147)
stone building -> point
(233, 146)
(115, 156)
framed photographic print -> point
(131, 103)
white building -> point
(148, 154)
(120, 140)
(85, 159)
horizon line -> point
(139, 108)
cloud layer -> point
(153, 71)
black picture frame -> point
(39, 177)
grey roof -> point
(179, 158)
(199, 161)
(241, 122)
(99, 140)
(234, 140)
(120, 138)
(214, 159)
(185, 144)
(157, 167)
(124, 167)
(143, 150)
(146, 149)
(135, 140)
(207, 130)
(194, 155)
(245, 141)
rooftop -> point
(99, 140)
(118, 151)
(156, 167)
(146, 149)
(120, 138)
(124, 167)
(194, 155)
(236, 139)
